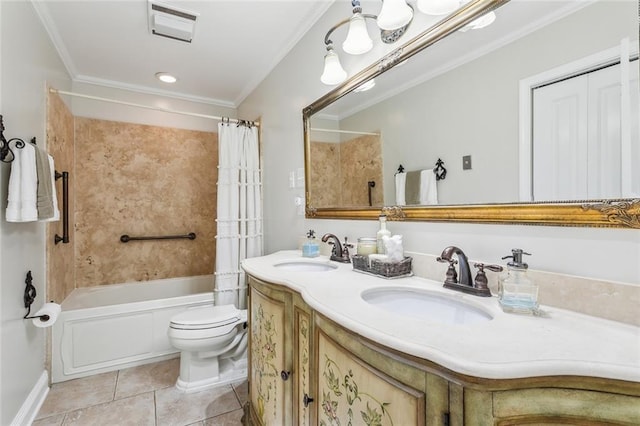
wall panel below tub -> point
(143, 180)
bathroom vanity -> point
(329, 346)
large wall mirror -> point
(534, 118)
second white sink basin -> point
(305, 266)
(425, 305)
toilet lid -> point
(206, 317)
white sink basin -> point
(424, 305)
(305, 266)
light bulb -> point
(394, 14)
(333, 72)
(358, 40)
(437, 7)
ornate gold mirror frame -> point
(606, 213)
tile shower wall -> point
(143, 180)
(346, 167)
(60, 257)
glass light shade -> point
(366, 86)
(437, 7)
(358, 40)
(333, 72)
(394, 14)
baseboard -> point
(31, 405)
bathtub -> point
(110, 327)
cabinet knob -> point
(307, 400)
(285, 375)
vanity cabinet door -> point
(350, 391)
(302, 363)
(269, 390)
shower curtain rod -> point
(316, 129)
(173, 111)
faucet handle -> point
(452, 276)
(480, 281)
(346, 244)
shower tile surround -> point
(143, 180)
(346, 167)
(141, 395)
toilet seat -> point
(207, 318)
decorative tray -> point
(382, 269)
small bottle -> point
(367, 246)
(518, 293)
(382, 232)
(310, 248)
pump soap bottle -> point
(518, 293)
(311, 248)
(382, 232)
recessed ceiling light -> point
(166, 77)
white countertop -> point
(509, 346)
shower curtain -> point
(239, 222)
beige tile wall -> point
(143, 180)
(60, 257)
(340, 173)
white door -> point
(577, 138)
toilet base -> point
(225, 372)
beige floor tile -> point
(79, 393)
(233, 418)
(134, 411)
(148, 377)
(177, 408)
(242, 391)
(50, 421)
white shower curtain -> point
(239, 230)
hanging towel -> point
(45, 186)
(401, 180)
(54, 195)
(412, 188)
(428, 188)
(23, 186)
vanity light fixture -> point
(481, 22)
(358, 41)
(166, 77)
(395, 14)
(367, 85)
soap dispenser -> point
(518, 293)
(311, 248)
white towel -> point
(56, 211)
(428, 187)
(23, 186)
(401, 180)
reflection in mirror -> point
(467, 100)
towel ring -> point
(440, 171)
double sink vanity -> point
(332, 346)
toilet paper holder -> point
(29, 297)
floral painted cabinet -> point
(353, 393)
(279, 356)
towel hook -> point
(5, 150)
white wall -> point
(611, 254)
(28, 61)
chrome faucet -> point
(339, 253)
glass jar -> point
(366, 246)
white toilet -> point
(213, 345)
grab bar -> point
(65, 208)
(126, 238)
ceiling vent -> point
(169, 21)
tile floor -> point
(137, 396)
